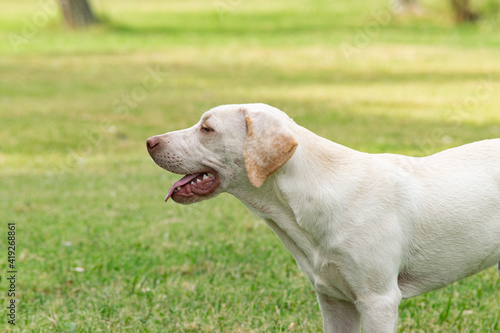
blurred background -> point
(83, 84)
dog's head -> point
(231, 146)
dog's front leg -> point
(339, 316)
(379, 313)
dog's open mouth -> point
(201, 184)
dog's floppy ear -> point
(269, 145)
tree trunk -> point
(77, 13)
(463, 12)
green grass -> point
(76, 179)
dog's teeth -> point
(198, 180)
(205, 176)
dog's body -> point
(367, 229)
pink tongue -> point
(180, 183)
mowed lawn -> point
(99, 251)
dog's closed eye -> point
(206, 128)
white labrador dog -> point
(367, 229)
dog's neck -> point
(298, 188)
(304, 220)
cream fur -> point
(367, 229)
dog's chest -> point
(324, 270)
(327, 278)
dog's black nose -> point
(152, 142)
